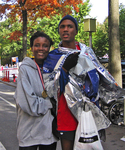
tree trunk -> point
(24, 51)
(114, 44)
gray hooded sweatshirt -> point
(34, 119)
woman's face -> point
(40, 49)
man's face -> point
(67, 31)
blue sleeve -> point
(92, 84)
(63, 80)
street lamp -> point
(90, 26)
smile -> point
(40, 53)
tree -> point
(9, 47)
(45, 24)
(50, 25)
(122, 30)
(114, 44)
(101, 47)
(30, 10)
(84, 10)
(100, 39)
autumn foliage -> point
(37, 8)
(27, 10)
(15, 36)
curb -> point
(9, 83)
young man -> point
(66, 121)
(78, 77)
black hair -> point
(40, 34)
(69, 18)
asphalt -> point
(11, 83)
(113, 138)
(115, 134)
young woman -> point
(34, 118)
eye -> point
(70, 26)
(62, 26)
(37, 45)
(45, 45)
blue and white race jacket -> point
(84, 82)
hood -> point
(29, 62)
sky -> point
(99, 9)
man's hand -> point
(71, 61)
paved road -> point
(7, 118)
(113, 135)
(8, 124)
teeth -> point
(40, 53)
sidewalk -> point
(113, 134)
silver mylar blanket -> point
(108, 89)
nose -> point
(41, 47)
(66, 28)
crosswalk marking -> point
(2, 147)
(8, 102)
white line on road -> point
(2, 147)
(7, 93)
(8, 103)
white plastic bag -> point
(87, 137)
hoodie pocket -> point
(42, 127)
